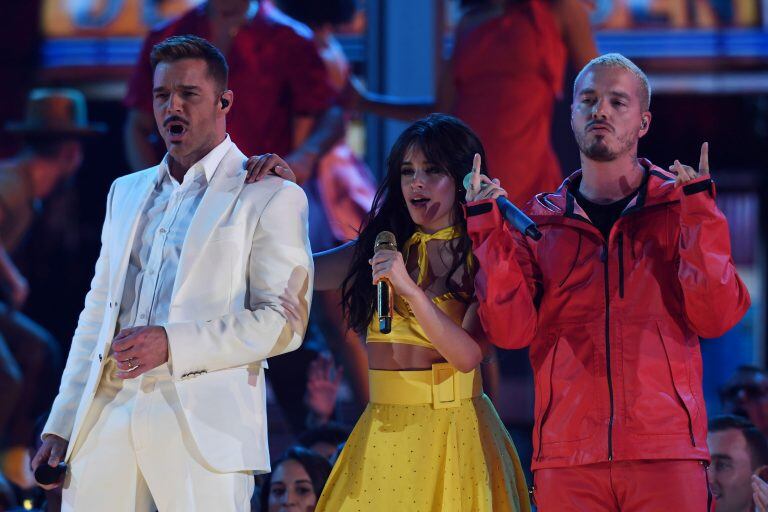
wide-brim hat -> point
(56, 112)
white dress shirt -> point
(159, 239)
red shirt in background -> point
(508, 72)
(275, 73)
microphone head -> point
(385, 240)
(467, 181)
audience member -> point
(296, 481)
(506, 70)
(737, 449)
(323, 381)
(280, 83)
(55, 123)
(746, 394)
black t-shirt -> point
(603, 216)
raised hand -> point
(686, 173)
(261, 165)
(323, 381)
(481, 186)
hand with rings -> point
(139, 349)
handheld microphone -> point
(384, 295)
(511, 213)
(47, 475)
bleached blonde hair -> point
(617, 60)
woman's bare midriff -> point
(400, 356)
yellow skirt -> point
(443, 447)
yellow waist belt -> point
(443, 386)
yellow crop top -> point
(405, 327)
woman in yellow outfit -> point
(429, 439)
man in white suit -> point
(202, 278)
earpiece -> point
(643, 124)
(224, 102)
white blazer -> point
(242, 293)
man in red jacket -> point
(633, 266)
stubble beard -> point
(598, 150)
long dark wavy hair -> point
(448, 144)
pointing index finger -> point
(476, 163)
(704, 160)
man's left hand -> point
(686, 173)
(139, 349)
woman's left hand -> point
(389, 265)
(259, 166)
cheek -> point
(445, 192)
(309, 501)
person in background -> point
(323, 382)
(285, 100)
(296, 481)
(341, 189)
(738, 449)
(30, 359)
(506, 70)
(746, 394)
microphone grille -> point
(385, 240)
(467, 181)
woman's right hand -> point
(481, 186)
(389, 265)
(259, 166)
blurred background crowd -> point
(329, 84)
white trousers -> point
(135, 454)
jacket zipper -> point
(621, 265)
(545, 414)
(604, 258)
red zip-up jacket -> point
(613, 325)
